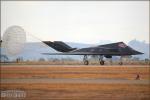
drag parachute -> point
(13, 40)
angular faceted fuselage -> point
(108, 50)
(114, 49)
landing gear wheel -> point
(120, 63)
(102, 62)
(86, 62)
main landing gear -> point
(86, 62)
(121, 63)
(101, 61)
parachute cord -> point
(37, 38)
(34, 36)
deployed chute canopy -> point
(13, 40)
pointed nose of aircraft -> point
(134, 52)
(137, 52)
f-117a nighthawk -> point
(108, 50)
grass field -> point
(77, 91)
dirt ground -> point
(76, 91)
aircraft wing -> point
(78, 53)
(72, 53)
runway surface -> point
(74, 74)
(77, 82)
(100, 81)
(46, 65)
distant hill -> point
(33, 50)
(140, 46)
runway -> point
(55, 65)
(77, 82)
(96, 81)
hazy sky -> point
(79, 21)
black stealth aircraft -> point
(108, 50)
